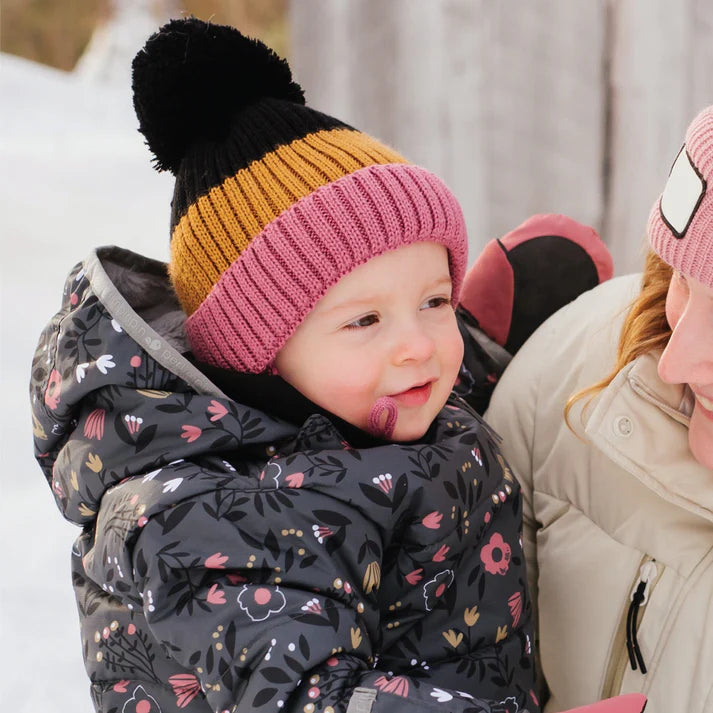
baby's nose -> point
(414, 344)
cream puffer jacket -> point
(623, 508)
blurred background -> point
(572, 106)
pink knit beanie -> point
(681, 221)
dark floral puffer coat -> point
(234, 561)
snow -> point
(74, 174)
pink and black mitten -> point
(519, 280)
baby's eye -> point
(436, 302)
(366, 321)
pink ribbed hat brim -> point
(265, 294)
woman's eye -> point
(436, 302)
(366, 321)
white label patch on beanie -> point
(682, 194)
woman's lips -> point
(706, 405)
(415, 396)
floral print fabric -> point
(230, 561)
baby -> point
(292, 512)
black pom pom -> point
(190, 80)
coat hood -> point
(112, 392)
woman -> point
(614, 449)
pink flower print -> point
(131, 629)
(383, 481)
(141, 702)
(476, 454)
(515, 604)
(53, 388)
(295, 480)
(185, 688)
(261, 602)
(133, 424)
(234, 578)
(415, 577)
(135, 361)
(496, 555)
(441, 554)
(94, 425)
(321, 532)
(435, 588)
(191, 433)
(433, 520)
(312, 606)
(216, 561)
(313, 692)
(216, 595)
(217, 409)
(120, 686)
(398, 685)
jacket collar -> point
(641, 423)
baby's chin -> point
(407, 435)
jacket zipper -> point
(625, 650)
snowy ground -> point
(74, 174)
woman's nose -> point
(688, 356)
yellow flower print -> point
(502, 633)
(372, 577)
(452, 637)
(506, 471)
(94, 462)
(73, 480)
(356, 637)
(471, 616)
(85, 511)
(37, 429)
(153, 393)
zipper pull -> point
(647, 574)
(639, 596)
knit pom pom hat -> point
(274, 202)
(681, 221)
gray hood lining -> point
(136, 292)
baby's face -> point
(386, 329)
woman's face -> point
(688, 357)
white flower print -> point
(260, 602)
(172, 485)
(151, 475)
(104, 363)
(81, 371)
(116, 325)
(441, 696)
